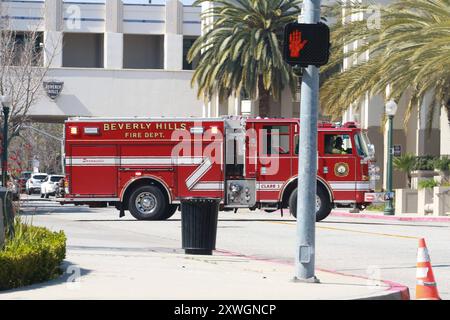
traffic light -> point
(306, 44)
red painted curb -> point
(391, 218)
(396, 291)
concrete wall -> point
(445, 132)
(120, 93)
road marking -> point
(354, 231)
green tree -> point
(405, 164)
(241, 50)
(410, 50)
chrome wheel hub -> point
(318, 203)
(146, 203)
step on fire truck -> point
(148, 166)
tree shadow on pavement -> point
(71, 273)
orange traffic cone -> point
(426, 288)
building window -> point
(143, 51)
(83, 50)
(22, 48)
(338, 144)
(276, 140)
(187, 45)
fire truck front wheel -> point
(148, 203)
(323, 204)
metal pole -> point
(389, 208)
(307, 166)
(5, 146)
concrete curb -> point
(395, 291)
(391, 218)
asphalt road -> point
(376, 249)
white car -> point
(48, 186)
(33, 184)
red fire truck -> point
(148, 166)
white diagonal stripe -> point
(208, 186)
(199, 173)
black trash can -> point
(199, 225)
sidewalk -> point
(380, 215)
(119, 274)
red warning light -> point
(296, 44)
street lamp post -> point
(6, 103)
(391, 110)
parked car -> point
(48, 186)
(33, 184)
(24, 177)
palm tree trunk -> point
(264, 100)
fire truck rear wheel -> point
(170, 211)
(148, 203)
(323, 204)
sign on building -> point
(397, 150)
(53, 88)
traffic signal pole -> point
(307, 166)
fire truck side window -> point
(338, 144)
(276, 140)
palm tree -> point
(240, 53)
(410, 51)
(405, 164)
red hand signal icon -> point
(296, 44)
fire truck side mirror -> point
(371, 148)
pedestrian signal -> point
(307, 44)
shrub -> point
(427, 184)
(442, 164)
(405, 163)
(34, 255)
(424, 163)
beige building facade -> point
(121, 59)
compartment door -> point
(94, 171)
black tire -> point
(47, 196)
(325, 207)
(42, 196)
(170, 211)
(148, 203)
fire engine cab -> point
(149, 165)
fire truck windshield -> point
(362, 144)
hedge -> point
(34, 255)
